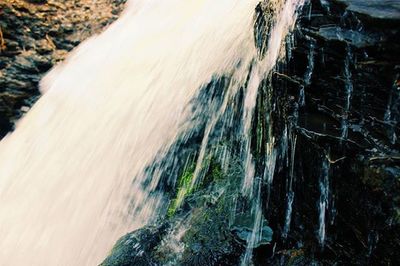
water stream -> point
(74, 174)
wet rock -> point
(135, 248)
(208, 241)
(351, 37)
(243, 228)
(198, 232)
(349, 122)
(378, 9)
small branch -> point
(53, 46)
(334, 161)
(287, 77)
(2, 41)
(390, 158)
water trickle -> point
(288, 213)
(310, 10)
(308, 74)
(392, 108)
(333, 210)
(302, 97)
(323, 201)
(310, 63)
(348, 88)
(290, 44)
(373, 239)
(290, 192)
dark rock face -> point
(136, 248)
(35, 35)
(341, 99)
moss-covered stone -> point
(136, 248)
(184, 188)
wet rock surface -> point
(197, 233)
(341, 100)
(376, 9)
(35, 35)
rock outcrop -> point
(341, 97)
(35, 35)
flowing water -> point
(348, 86)
(73, 174)
(323, 202)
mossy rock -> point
(243, 228)
(135, 248)
(209, 240)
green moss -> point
(184, 189)
(186, 185)
(213, 175)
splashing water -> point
(72, 173)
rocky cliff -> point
(341, 97)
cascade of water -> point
(290, 192)
(73, 174)
(285, 19)
(256, 233)
(348, 86)
(323, 201)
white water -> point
(71, 173)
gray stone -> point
(380, 9)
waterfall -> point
(74, 174)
